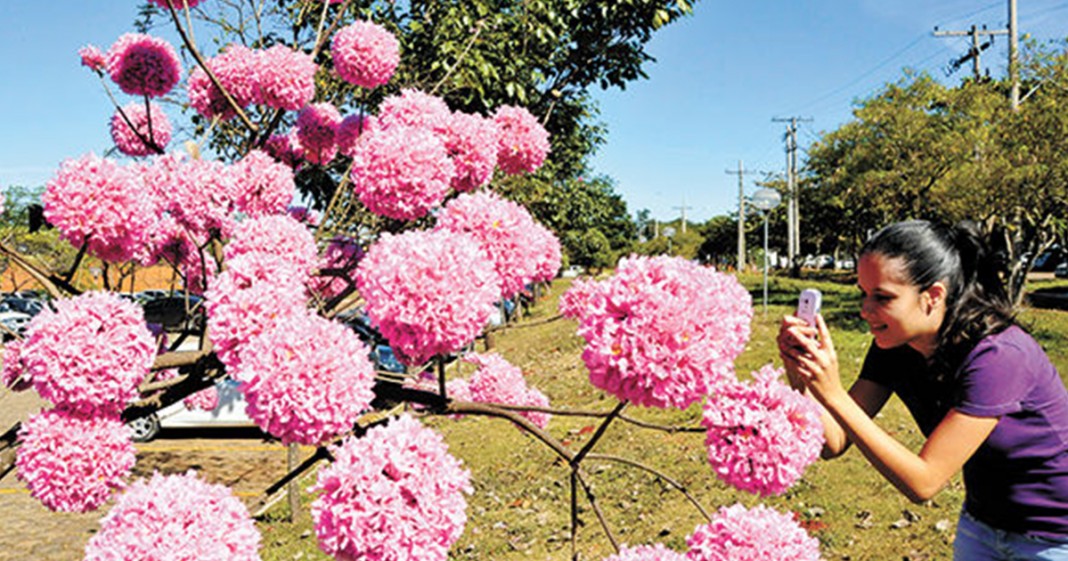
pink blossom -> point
(414, 108)
(156, 131)
(349, 131)
(499, 381)
(429, 293)
(523, 143)
(143, 65)
(255, 291)
(547, 253)
(307, 379)
(200, 194)
(503, 228)
(237, 69)
(284, 148)
(264, 186)
(394, 494)
(655, 552)
(90, 354)
(757, 534)
(316, 130)
(575, 300)
(173, 244)
(472, 143)
(365, 54)
(93, 58)
(401, 172)
(178, 4)
(175, 517)
(761, 434)
(96, 201)
(279, 235)
(664, 331)
(72, 463)
(287, 78)
(337, 267)
(13, 375)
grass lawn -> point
(519, 509)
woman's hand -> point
(791, 332)
(809, 357)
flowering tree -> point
(415, 236)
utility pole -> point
(683, 209)
(1014, 48)
(793, 219)
(1014, 64)
(741, 213)
(977, 48)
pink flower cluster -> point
(365, 54)
(277, 77)
(198, 194)
(523, 143)
(575, 300)
(287, 78)
(279, 235)
(176, 517)
(96, 201)
(664, 331)
(394, 494)
(152, 126)
(237, 69)
(429, 292)
(504, 229)
(285, 149)
(72, 463)
(317, 131)
(472, 143)
(757, 534)
(401, 172)
(143, 65)
(254, 292)
(548, 256)
(93, 58)
(307, 379)
(266, 186)
(499, 381)
(761, 434)
(413, 108)
(655, 552)
(90, 354)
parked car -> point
(230, 412)
(14, 322)
(1061, 271)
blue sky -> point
(720, 78)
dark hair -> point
(976, 302)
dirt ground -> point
(239, 458)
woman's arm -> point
(918, 476)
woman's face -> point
(897, 312)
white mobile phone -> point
(808, 305)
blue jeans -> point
(977, 541)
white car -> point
(230, 412)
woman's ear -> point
(936, 296)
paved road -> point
(240, 459)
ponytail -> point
(976, 302)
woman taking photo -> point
(982, 391)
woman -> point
(981, 390)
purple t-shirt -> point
(1018, 479)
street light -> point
(765, 200)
